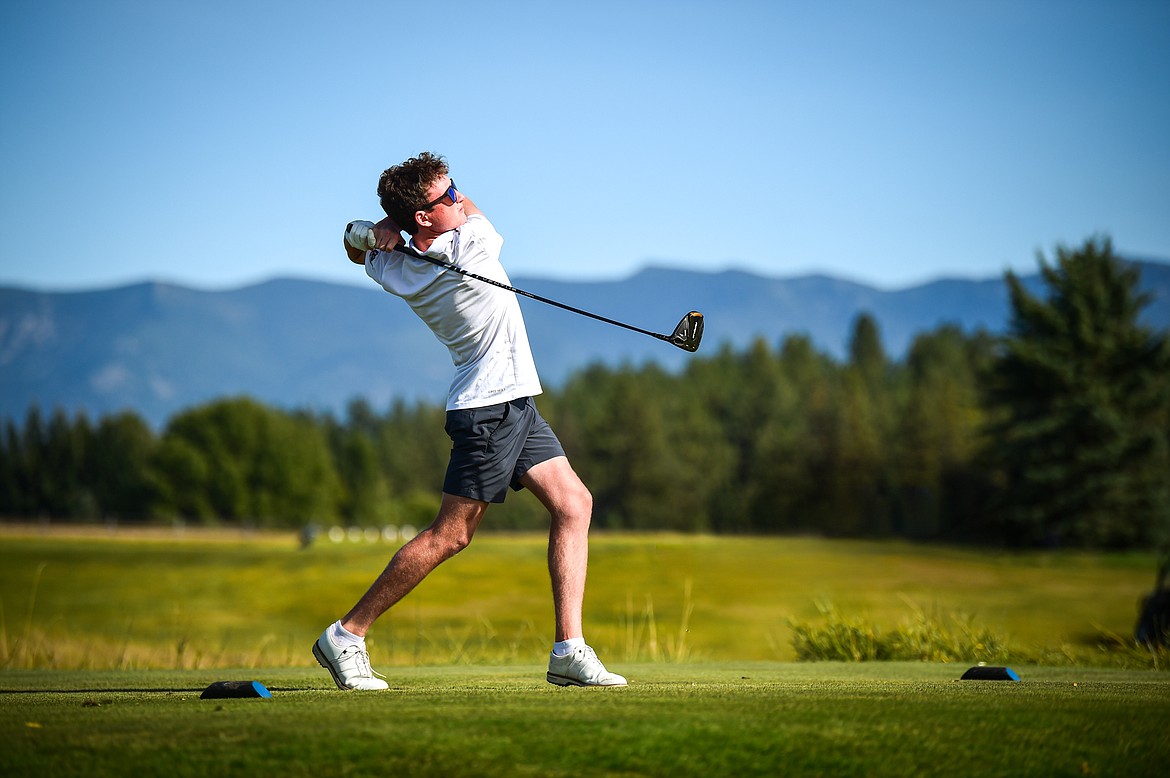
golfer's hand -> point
(387, 234)
(360, 235)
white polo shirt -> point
(480, 324)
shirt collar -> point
(440, 246)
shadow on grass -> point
(195, 690)
(97, 691)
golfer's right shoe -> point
(581, 667)
(349, 665)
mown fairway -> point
(107, 641)
(701, 720)
(228, 600)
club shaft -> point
(536, 297)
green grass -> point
(230, 600)
(107, 640)
(742, 718)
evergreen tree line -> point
(1056, 433)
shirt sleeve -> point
(478, 241)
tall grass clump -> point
(25, 648)
(926, 637)
(1115, 650)
(642, 640)
(931, 637)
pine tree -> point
(118, 466)
(939, 433)
(857, 482)
(1083, 390)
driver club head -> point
(689, 332)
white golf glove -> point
(360, 235)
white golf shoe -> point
(349, 665)
(581, 667)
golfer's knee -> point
(585, 506)
(576, 510)
(448, 538)
(457, 544)
(452, 540)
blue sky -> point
(217, 144)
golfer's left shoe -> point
(581, 667)
(349, 665)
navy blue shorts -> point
(494, 446)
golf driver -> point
(687, 335)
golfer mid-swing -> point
(498, 438)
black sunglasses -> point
(451, 193)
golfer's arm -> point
(356, 256)
(469, 207)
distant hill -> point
(158, 348)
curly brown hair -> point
(402, 189)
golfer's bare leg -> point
(558, 487)
(449, 534)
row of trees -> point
(1058, 432)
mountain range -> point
(158, 348)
